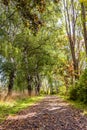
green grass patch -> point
(11, 108)
(76, 104)
(79, 105)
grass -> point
(12, 107)
(79, 105)
(76, 104)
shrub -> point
(73, 93)
(82, 84)
(79, 92)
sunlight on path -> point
(49, 114)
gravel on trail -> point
(52, 113)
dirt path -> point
(50, 114)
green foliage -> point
(73, 93)
(47, 53)
(82, 87)
(76, 104)
(83, 1)
(62, 90)
(29, 12)
(79, 92)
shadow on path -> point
(49, 114)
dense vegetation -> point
(43, 47)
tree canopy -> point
(43, 44)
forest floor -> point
(52, 113)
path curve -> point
(49, 114)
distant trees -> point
(23, 61)
(21, 53)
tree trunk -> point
(38, 84)
(10, 85)
(75, 61)
(70, 21)
(28, 77)
(38, 88)
(84, 25)
(29, 87)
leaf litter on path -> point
(51, 113)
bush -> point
(82, 84)
(62, 90)
(79, 92)
(73, 93)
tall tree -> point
(70, 21)
(83, 10)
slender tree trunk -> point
(29, 87)
(35, 85)
(38, 88)
(75, 61)
(38, 85)
(84, 25)
(70, 21)
(28, 77)
(10, 85)
(66, 84)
